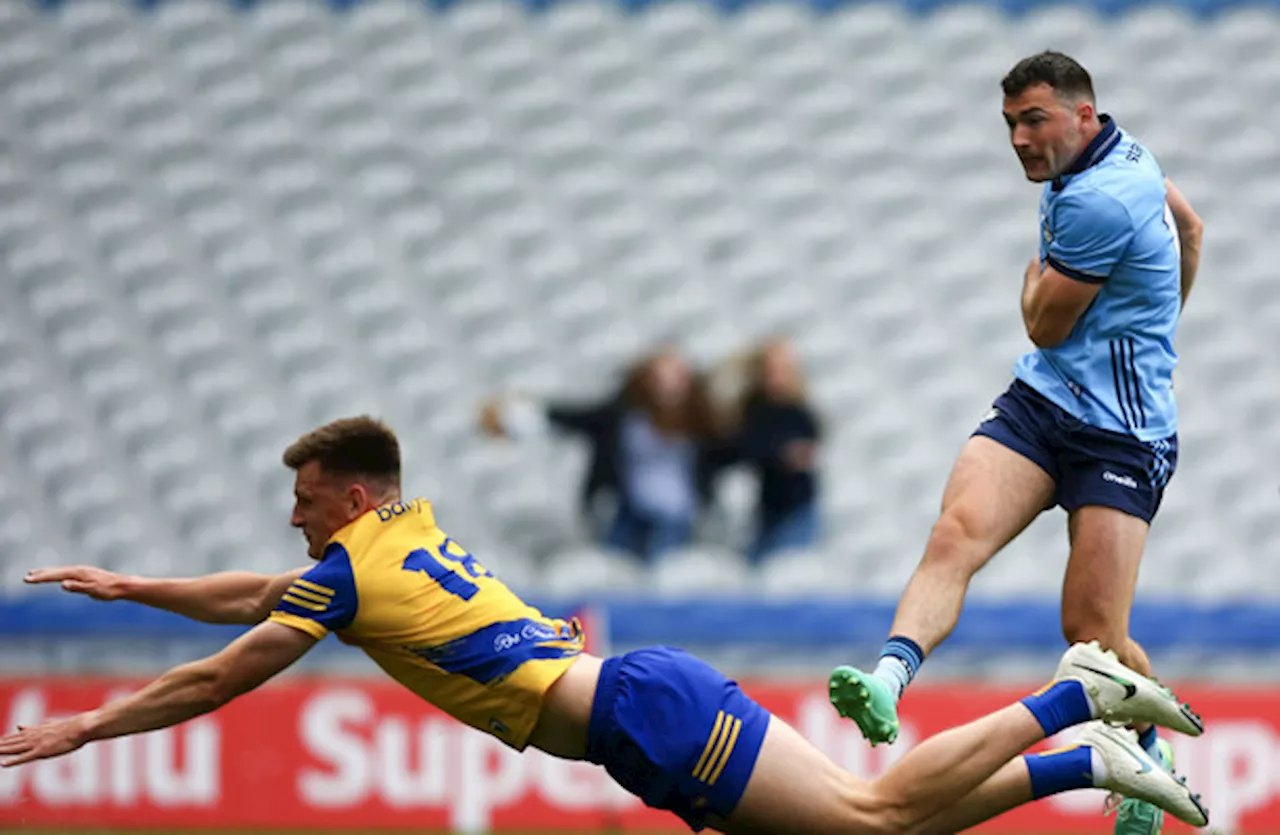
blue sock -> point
(1059, 706)
(900, 660)
(1149, 740)
(1060, 771)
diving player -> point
(666, 726)
(1089, 422)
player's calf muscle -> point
(1084, 623)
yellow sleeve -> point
(313, 628)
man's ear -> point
(1086, 111)
(357, 499)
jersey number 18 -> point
(437, 567)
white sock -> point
(893, 671)
(1098, 768)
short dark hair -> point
(354, 446)
(1061, 72)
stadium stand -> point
(222, 223)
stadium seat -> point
(805, 573)
(220, 228)
(699, 570)
(586, 570)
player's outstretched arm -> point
(241, 597)
(1190, 233)
(182, 693)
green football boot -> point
(866, 700)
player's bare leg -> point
(1097, 597)
(993, 493)
(796, 789)
(1012, 785)
(1102, 574)
(1008, 788)
(967, 770)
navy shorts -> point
(1091, 466)
(676, 733)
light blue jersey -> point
(1107, 221)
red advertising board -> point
(365, 754)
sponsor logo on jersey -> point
(390, 511)
(529, 632)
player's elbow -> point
(256, 610)
(1046, 341)
(1047, 334)
(1193, 234)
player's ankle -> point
(1060, 705)
(900, 660)
(893, 673)
(1149, 739)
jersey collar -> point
(1097, 149)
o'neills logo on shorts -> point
(1122, 480)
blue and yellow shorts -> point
(676, 733)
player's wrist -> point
(87, 726)
(129, 587)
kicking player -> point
(1090, 422)
(666, 726)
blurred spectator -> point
(777, 435)
(649, 451)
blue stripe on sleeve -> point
(1071, 272)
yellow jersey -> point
(434, 619)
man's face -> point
(779, 371)
(670, 379)
(1047, 131)
(323, 505)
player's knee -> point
(957, 541)
(883, 813)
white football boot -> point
(1133, 773)
(1123, 696)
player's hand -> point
(40, 742)
(97, 583)
(799, 455)
(491, 419)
